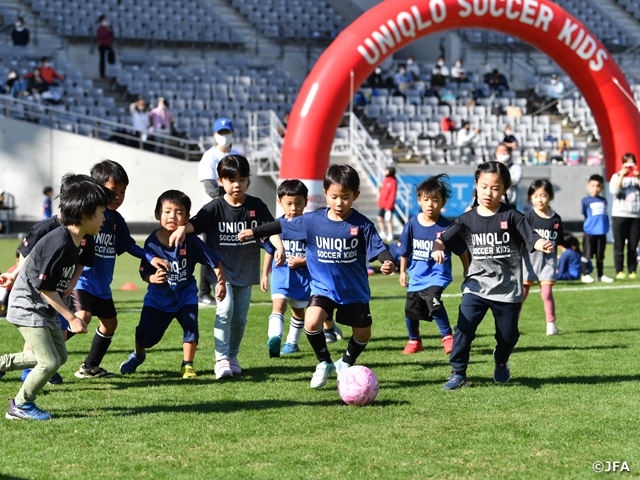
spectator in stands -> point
(509, 140)
(555, 91)
(467, 138)
(20, 33)
(139, 119)
(13, 84)
(503, 155)
(441, 67)
(403, 79)
(285, 121)
(458, 73)
(161, 119)
(36, 85)
(105, 41)
(48, 73)
(496, 81)
(438, 80)
(413, 68)
(377, 80)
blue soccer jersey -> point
(180, 288)
(295, 283)
(416, 243)
(596, 220)
(114, 239)
(337, 253)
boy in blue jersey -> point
(339, 241)
(173, 294)
(596, 226)
(92, 295)
(427, 279)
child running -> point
(541, 267)
(172, 294)
(494, 233)
(222, 219)
(427, 279)
(36, 295)
(596, 226)
(92, 295)
(339, 241)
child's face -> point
(540, 199)
(172, 216)
(431, 205)
(292, 205)
(340, 199)
(490, 189)
(92, 224)
(594, 188)
(120, 191)
(235, 187)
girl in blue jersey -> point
(427, 279)
(339, 242)
(494, 232)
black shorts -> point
(355, 315)
(421, 305)
(99, 307)
(154, 322)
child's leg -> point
(189, 352)
(276, 319)
(296, 325)
(101, 342)
(600, 248)
(472, 310)
(357, 344)
(188, 320)
(222, 328)
(242, 300)
(441, 317)
(507, 334)
(313, 320)
(413, 329)
(587, 253)
(150, 330)
(546, 292)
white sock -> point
(296, 327)
(275, 325)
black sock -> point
(354, 349)
(319, 345)
(184, 363)
(70, 334)
(99, 348)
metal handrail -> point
(265, 142)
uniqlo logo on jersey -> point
(142, 269)
(252, 213)
(42, 276)
(353, 231)
(399, 244)
(504, 225)
(114, 227)
(556, 226)
(439, 234)
(25, 242)
(183, 251)
(83, 242)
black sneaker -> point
(330, 337)
(95, 372)
(206, 301)
(455, 382)
(501, 374)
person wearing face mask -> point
(444, 70)
(403, 79)
(161, 119)
(208, 175)
(458, 72)
(555, 91)
(36, 86)
(515, 170)
(48, 73)
(20, 33)
(413, 68)
(139, 119)
(509, 140)
(13, 85)
(105, 41)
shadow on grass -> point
(125, 352)
(551, 348)
(605, 330)
(4, 476)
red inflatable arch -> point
(393, 24)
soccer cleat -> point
(338, 331)
(28, 411)
(447, 343)
(341, 366)
(234, 365)
(632, 276)
(25, 372)
(605, 279)
(56, 379)
(620, 275)
(501, 374)
(94, 372)
(187, 371)
(206, 301)
(413, 346)
(321, 375)
(132, 363)
(330, 337)
(2, 373)
(455, 382)
(273, 345)
(223, 369)
(551, 328)
(290, 348)
(587, 279)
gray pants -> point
(48, 352)
(231, 320)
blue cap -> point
(222, 124)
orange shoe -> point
(447, 343)
(413, 346)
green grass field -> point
(572, 401)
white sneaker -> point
(223, 369)
(321, 375)
(234, 365)
(389, 237)
(605, 279)
(551, 328)
(587, 279)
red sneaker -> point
(447, 343)
(413, 346)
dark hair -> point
(433, 186)
(81, 197)
(541, 183)
(570, 241)
(20, 19)
(101, 17)
(109, 170)
(596, 178)
(292, 188)
(44, 59)
(232, 165)
(173, 196)
(465, 123)
(392, 171)
(46, 190)
(629, 156)
(498, 168)
(343, 175)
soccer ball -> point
(358, 385)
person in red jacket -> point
(386, 203)
(105, 41)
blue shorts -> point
(154, 322)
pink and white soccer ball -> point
(358, 385)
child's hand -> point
(221, 291)
(159, 277)
(264, 283)
(388, 267)
(296, 262)
(245, 235)
(77, 325)
(543, 245)
(403, 279)
(280, 257)
(177, 237)
(7, 279)
(438, 256)
(160, 263)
